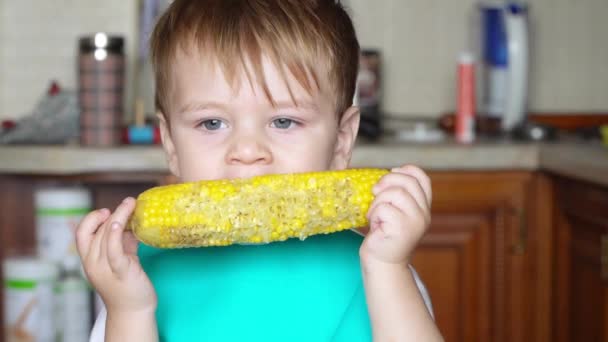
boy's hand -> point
(398, 217)
(109, 256)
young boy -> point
(245, 88)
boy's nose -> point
(248, 151)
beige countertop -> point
(581, 161)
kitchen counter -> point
(587, 162)
(582, 162)
(496, 210)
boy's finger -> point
(95, 252)
(385, 217)
(400, 199)
(87, 228)
(411, 185)
(123, 212)
(120, 217)
(103, 244)
(116, 256)
(421, 176)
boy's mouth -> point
(245, 173)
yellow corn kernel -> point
(256, 210)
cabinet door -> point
(474, 259)
(581, 266)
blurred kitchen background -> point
(419, 41)
(504, 103)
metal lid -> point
(100, 40)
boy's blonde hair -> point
(314, 39)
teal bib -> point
(294, 290)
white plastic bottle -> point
(73, 304)
(58, 212)
(29, 300)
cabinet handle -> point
(604, 257)
(519, 248)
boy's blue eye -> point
(212, 124)
(283, 123)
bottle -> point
(58, 212)
(73, 304)
(29, 300)
(465, 113)
(504, 65)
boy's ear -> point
(347, 134)
(168, 146)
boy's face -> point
(216, 132)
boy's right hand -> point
(109, 256)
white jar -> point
(29, 299)
(58, 212)
(73, 304)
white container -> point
(58, 212)
(73, 304)
(29, 300)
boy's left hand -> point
(398, 217)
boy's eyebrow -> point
(299, 103)
(198, 106)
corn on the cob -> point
(255, 210)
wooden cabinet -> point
(482, 259)
(487, 259)
(581, 262)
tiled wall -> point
(39, 43)
(419, 39)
